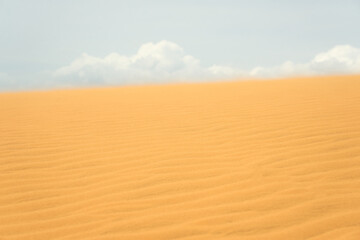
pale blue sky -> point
(40, 36)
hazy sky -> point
(42, 42)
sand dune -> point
(240, 160)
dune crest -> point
(240, 160)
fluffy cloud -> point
(153, 63)
(342, 59)
(162, 61)
(167, 61)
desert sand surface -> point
(275, 159)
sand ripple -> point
(242, 160)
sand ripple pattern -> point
(239, 160)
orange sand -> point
(242, 160)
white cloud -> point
(167, 61)
(341, 59)
(153, 62)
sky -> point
(60, 44)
